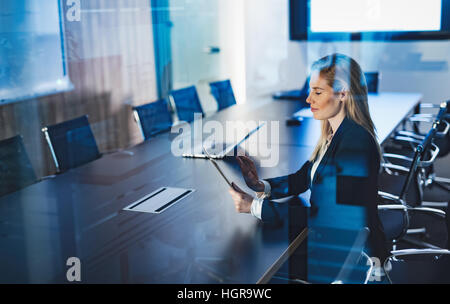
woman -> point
(343, 168)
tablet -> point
(217, 167)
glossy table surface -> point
(200, 239)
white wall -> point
(197, 25)
(231, 20)
(273, 62)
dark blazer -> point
(346, 176)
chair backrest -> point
(16, 171)
(187, 103)
(71, 143)
(422, 266)
(447, 111)
(223, 93)
(435, 223)
(305, 89)
(395, 221)
(443, 139)
(420, 167)
(153, 118)
(422, 151)
(372, 79)
(410, 189)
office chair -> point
(187, 103)
(412, 134)
(415, 121)
(16, 171)
(418, 266)
(223, 93)
(372, 80)
(404, 216)
(412, 227)
(424, 154)
(71, 143)
(398, 167)
(299, 95)
(401, 149)
(153, 118)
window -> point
(32, 60)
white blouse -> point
(317, 162)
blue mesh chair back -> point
(16, 171)
(372, 81)
(72, 143)
(187, 103)
(153, 118)
(304, 91)
(223, 93)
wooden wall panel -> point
(110, 60)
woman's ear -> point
(343, 95)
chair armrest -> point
(391, 197)
(434, 154)
(395, 253)
(395, 167)
(446, 129)
(411, 134)
(423, 163)
(407, 140)
(422, 118)
(426, 118)
(403, 206)
(434, 211)
(427, 105)
(397, 156)
(392, 207)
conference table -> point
(200, 238)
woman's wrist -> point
(260, 187)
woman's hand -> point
(242, 201)
(249, 172)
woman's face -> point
(325, 103)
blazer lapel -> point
(330, 151)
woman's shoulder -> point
(357, 147)
(357, 135)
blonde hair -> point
(343, 73)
